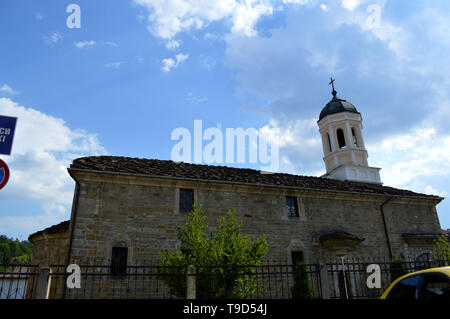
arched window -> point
(340, 137)
(355, 138)
(424, 261)
(329, 143)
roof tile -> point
(165, 168)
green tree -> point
(5, 253)
(15, 251)
(220, 258)
(441, 249)
(302, 285)
(398, 268)
(21, 260)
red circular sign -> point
(4, 174)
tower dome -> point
(337, 105)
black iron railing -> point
(338, 278)
(267, 281)
(17, 281)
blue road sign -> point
(7, 128)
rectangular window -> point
(119, 261)
(292, 208)
(297, 256)
(186, 200)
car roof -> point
(444, 270)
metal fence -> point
(268, 281)
(335, 279)
(98, 282)
(17, 281)
(347, 278)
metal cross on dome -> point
(332, 84)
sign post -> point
(7, 128)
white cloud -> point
(410, 159)
(109, 43)
(210, 36)
(82, 44)
(432, 191)
(5, 88)
(169, 63)
(52, 39)
(297, 1)
(208, 63)
(350, 4)
(38, 16)
(299, 145)
(44, 146)
(114, 65)
(173, 44)
(192, 98)
(167, 18)
(246, 16)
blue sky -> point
(138, 69)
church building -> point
(129, 209)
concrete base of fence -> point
(42, 284)
(191, 292)
(324, 281)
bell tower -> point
(345, 155)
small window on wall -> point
(119, 261)
(292, 207)
(341, 138)
(297, 257)
(186, 200)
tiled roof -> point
(165, 168)
(61, 227)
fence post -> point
(324, 281)
(42, 283)
(191, 292)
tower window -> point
(186, 200)
(355, 138)
(341, 138)
(329, 143)
(292, 208)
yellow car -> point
(433, 283)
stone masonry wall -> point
(141, 213)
